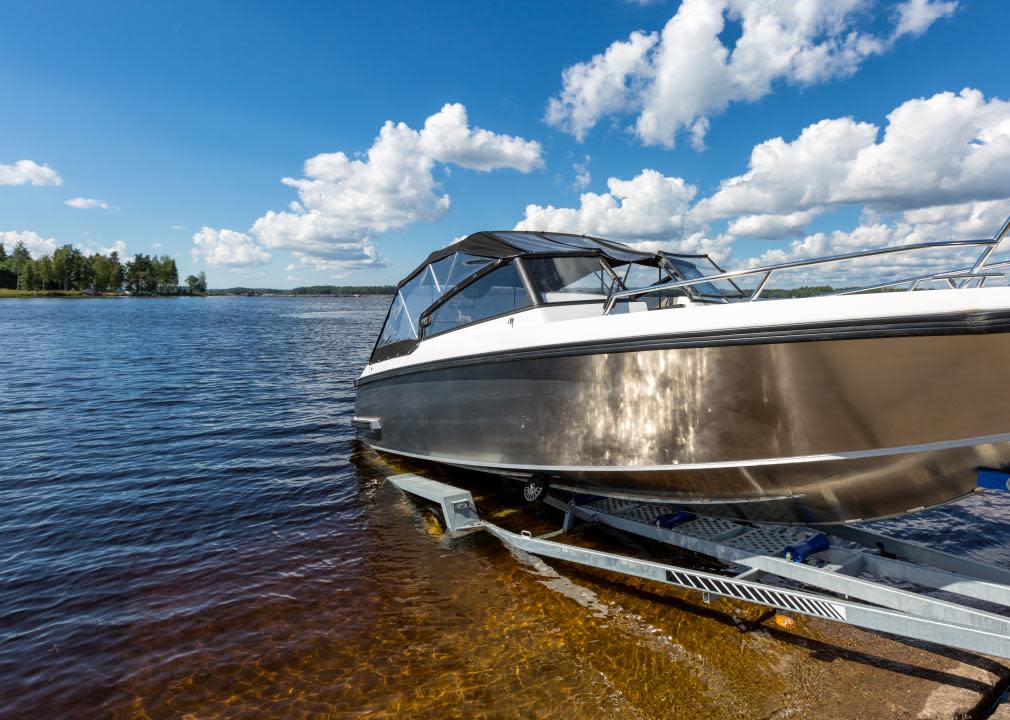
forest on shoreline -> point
(314, 290)
(68, 271)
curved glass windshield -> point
(499, 292)
(450, 271)
(696, 267)
(422, 291)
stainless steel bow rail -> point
(840, 573)
(957, 278)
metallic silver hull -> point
(816, 431)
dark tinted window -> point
(568, 278)
(498, 292)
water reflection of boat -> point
(594, 367)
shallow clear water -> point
(187, 527)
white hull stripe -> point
(759, 462)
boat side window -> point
(499, 292)
(566, 279)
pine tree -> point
(19, 261)
(45, 271)
(117, 275)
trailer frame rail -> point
(847, 580)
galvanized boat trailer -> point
(846, 571)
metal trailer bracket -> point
(831, 588)
(458, 508)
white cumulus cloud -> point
(603, 85)
(118, 247)
(915, 16)
(963, 221)
(648, 206)
(227, 248)
(448, 138)
(784, 177)
(36, 245)
(650, 211)
(938, 169)
(28, 172)
(772, 226)
(946, 149)
(343, 203)
(677, 79)
(83, 203)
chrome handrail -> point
(766, 271)
(948, 275)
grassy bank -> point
(5, 293)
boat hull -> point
(807, 431)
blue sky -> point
(183, 119)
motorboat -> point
(586, 365)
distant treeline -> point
(68, 270)
(345, 290)
(813, 291)
(312, 290)
(799, 292)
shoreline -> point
(6, 293)
(71, 294)
(80, 295)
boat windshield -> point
(444, 294)
(696, 266)
(637, 275)
(449, 271)
(422, 290)
(567, 279)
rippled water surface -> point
(188, 528)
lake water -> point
(188, 528)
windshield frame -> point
(695, 290)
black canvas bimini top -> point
(516, 243)
(513, 243)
